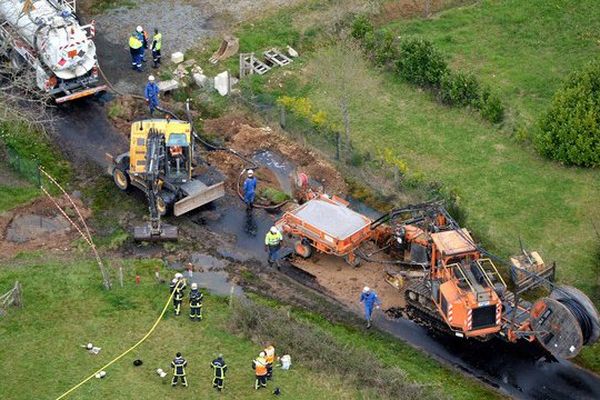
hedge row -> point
(417, 61)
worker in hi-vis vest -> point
(156, 46)
(136, 49)
(272, 245)
(178, 364)
(270, 359)
(260, 370)
(219, 367)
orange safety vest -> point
(260, 366)
(176, 151)
(270, 352)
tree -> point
(570, 130)
(341, 71)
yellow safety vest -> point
(273, 239)
(270, 354)
(134, 42)
(157, 39)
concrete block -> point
(177, 57)
(222, 84)
(166, 86)
(200, 79)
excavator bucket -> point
(197, 195)
(145, 233)
(229, 46)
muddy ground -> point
(40, 225)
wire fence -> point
(295, 126)
(27, 168)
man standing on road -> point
(136, 49)
(250, 189)
(260, 370)
(369, 299)
(195, 303)
(178, 365)
(273, 240)
(219, 369)
(156, 46)
(151, 93)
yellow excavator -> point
(159, 162)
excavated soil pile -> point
(39, 225)
(247, 140)
(232, 166)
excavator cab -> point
(179, 157)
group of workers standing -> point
(138, 44)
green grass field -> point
(65, 306)
(522, 48)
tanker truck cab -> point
(46, 37)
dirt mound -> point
(248, 139)
(39, 225)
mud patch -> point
(39, 225)
(249, 139)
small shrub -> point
(570, 130)
(361, 26)
(419, 62)
(490, 106)
(461, 89)
(386, 50)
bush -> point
(459, 89)
(419, 62)
(385, 50)
(490, 106)
(361, 26)
(315, 348)
(570, 130)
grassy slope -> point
(523, 48)
(65, 307)
(11, 197)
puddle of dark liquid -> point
(281, 167)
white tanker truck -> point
(45, 35)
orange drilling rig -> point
(462, 291)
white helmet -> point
(174, 280)
(151, 78)
(178, 275)
(262, 354)
(194, 285)
(274, 229)
(139, 29)
(366, 289)
(89, 346)
(250, 172)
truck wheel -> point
(17, 61)
(352, 260)
(303, 249)
(121, 179)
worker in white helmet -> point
(369, 299)
(136, 48)
(151, 93)
(260, 370)
(178, 285)
(272, 245)
(196, 303)
(250, 189)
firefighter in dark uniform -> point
(219, 369)
(178, 364)
(178, 288)
(195, 303)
